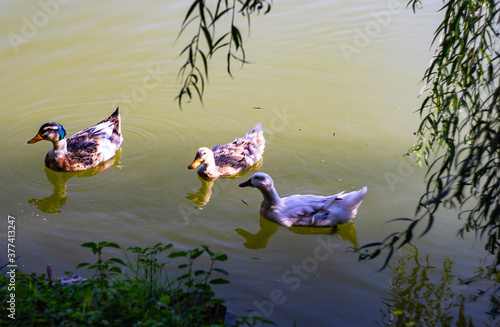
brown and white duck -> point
(85, 149)
(232, 158)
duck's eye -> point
(48, 131)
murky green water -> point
(337, 84)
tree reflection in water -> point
(417, 298)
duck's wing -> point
(314, 210)
(83, 149)
(256, 138)
(232, 154)
(98, 142)
(331, 199)
(250, 149)
(341, 208)
(115, 120)
(301, 210)
(243, 152)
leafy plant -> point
(145, 297)
(148, 270)
(206, 41)
(103, 269)
(199, 278)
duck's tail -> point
(256, 134)
(115, 137)
(353, 199)
(114, 119)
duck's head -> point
(51, 132)
(202, 155)
(260, 180)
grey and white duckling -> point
(305, 210)
(230, 159)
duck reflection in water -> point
(346, 232)
(53, 203)
(202, 196)
(211, 188)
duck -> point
(85, 149)
(307, 209)
(230, 159)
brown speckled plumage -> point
(232, 158)
(85, 149)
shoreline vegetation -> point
(128, 292)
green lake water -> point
(336, 86)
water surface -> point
(335, 119)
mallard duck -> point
(305, 210)
(232, 158)
(85, 149)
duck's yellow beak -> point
(37, 138)
(195, 163)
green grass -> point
(126, 292)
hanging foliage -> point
(206, 41)
(459, 137)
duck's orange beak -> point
(37, 138)
(195, 163)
